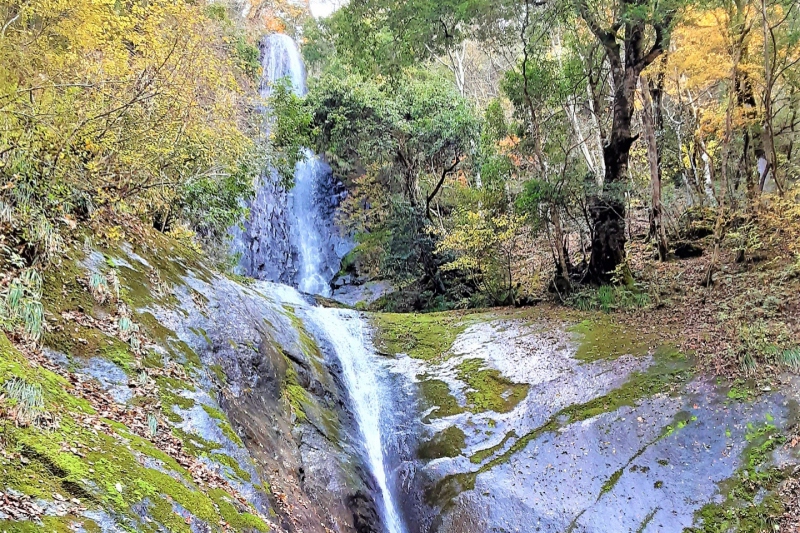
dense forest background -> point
(638, 155)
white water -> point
(304, 218)
(345, 330)
(291, 235)
(281, 60)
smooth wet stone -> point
(648, 464)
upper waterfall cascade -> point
(290, 236)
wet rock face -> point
(268, 244)
(280, 396)
(253, 394)
(365, 515)
(610, 435)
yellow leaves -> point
(478, 238)
(782, 217)
(127, 95)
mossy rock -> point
(447, 443)
(104, 468)
(488, 390)
(435, 395)
(602, 339)
(422, 336)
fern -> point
(606, 298)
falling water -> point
(290, 236)
(345, 330)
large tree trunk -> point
(608, 207)
(626, 59)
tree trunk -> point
(652, 121)
(607, 209)
(627, 60)
(558, 234)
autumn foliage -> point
(136, 107)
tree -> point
(652, 91)
(396, 146)
(139, 109)
(629, 51)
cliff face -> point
(175, 398)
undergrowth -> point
(610, 298)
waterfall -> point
(368, 393)
(290, 236)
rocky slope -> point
(178, 399)
(175, 399)
(539, 420)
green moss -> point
(422, 336)
(447, 443)
(105, 468)
(106, 472)
(610, 482)
(481, 455)
(219, 373)
(444, 492)
(195, 444)
(239, 521)
(647, 519)
(231, 463)
(601, 338)
(202, 333)
(224, 425)
(51, 524)
(307, 344)
(83, 342)
(298, 398)
(435, 394)
(168, 339)
(120, 354)
(488, 389)
(739, 510)
(56, 395)
(62, 291)
(170, 397)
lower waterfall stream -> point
(369, 396)
(309, 265)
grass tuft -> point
(27, 401)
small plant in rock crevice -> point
(152, 425)
(105, 287)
